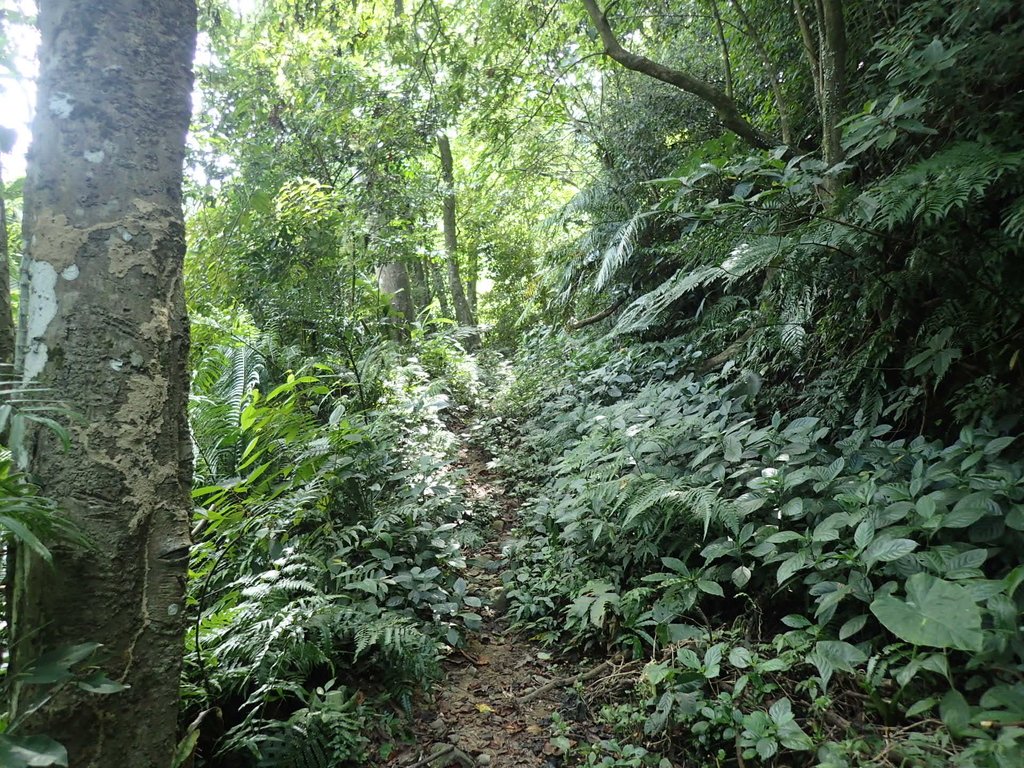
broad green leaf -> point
(789, 567)
(955, 712)
(887, 550)
(995, 446)
(740, 576)
(853, 626)
(936, 613)
(829, 656)
(30, 751)
(740, 657)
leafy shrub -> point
(328, 552)
(781, 573)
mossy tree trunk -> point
(103, 325)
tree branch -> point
(577, 325)
(726, 109)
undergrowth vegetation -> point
(729, 290)
(329, 532)
(793, 585)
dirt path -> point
(488, 709)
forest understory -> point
(547, 383)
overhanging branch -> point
(726, 109)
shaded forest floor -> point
(494, 705)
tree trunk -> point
(826, 56)
(833, 78)
(393, 279)
(105, 327)
(770, 71)
(421, 294)
(6, 319)
(451, 241)
(439, 289)
(471, 283)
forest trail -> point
(494, 704)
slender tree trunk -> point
(451, 241)
(770, 72)
(6, 318)
(105, 327)
(439, 289)
(724, 45)
(421, 295)
(833, 78)
(393, 279)
(474, 274)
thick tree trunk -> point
(451, 242)
(105, 328)
(833, 78)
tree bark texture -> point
(726, 109)
(421, 293)
(104, 326)
(451, 238)
(439, 289)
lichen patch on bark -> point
(42, 308)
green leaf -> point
(25, 536)
(789, 567)
(740, 576)
(99, 683)
(24, 751)
(955, 712)
(887, 550)
(831, 655)
(864, 534)
(967, 511)
(997, 445)
(936, 613)
(740, 657)
(853, 626)
(711, 587)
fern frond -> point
(621, 248)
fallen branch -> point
(451, 750)
(561, 682)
